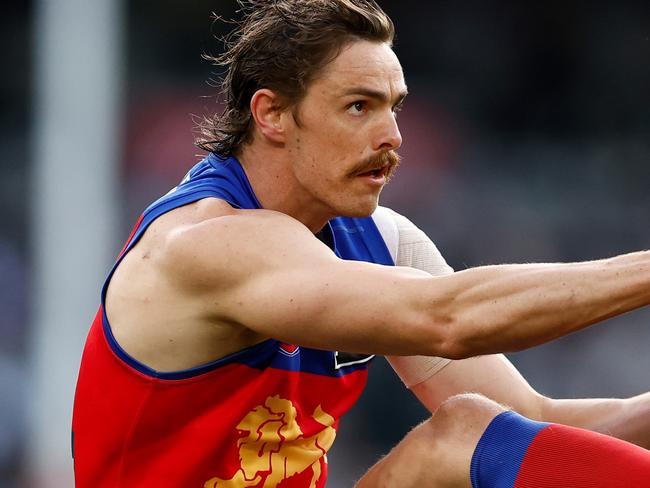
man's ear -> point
(267, 111)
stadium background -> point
(526, 138)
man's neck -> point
(276, 188)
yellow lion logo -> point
(272, 447)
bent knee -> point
(438, 452)
(463, 417)
(468, 405)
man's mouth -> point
(376, 173)
(379, 168)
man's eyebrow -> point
(376, 94)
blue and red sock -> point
(515, 452)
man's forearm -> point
(507, 308)
(627, 419)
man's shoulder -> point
(209, 214)
(211, 236)
(213, 216)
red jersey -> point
(265, 416)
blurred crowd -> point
(526, 138)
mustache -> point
(389, 159)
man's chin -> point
(364, 209)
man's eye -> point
(357, 108)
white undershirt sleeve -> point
(409, 246)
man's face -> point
(342, 145)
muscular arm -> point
(267, 272)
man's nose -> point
(389, 136)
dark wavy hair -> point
(282, 45)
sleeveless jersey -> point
(262, 417)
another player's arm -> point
(267, 272)
(496, 378)
(627, 419)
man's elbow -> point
(447, 340)
(453, 348)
